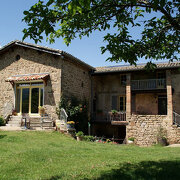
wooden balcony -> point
(115, 119)
(148, 84)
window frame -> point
(123, 83)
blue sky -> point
(86, 49)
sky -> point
(86, 49)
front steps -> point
(34, 123)
(14, 121)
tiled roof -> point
(125, 68)
(28, 77)
(47, 50)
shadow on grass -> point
(55, 178)
(2, 136)
(144, 170)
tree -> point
(70, 19)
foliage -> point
(114, 111)
(70, 122)
(2, 122)
(51, 155)
(80, 134)
(162, 137)
(77, 111)
(131, 139)
(88, 138)
(158, 21)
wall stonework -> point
(104, 87)
(76, 80)
(144, 128)
(62, 73)
(176, 90)
(30, 62)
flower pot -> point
(130, 142)
(41, 111)
(79, 138)
(70, 126)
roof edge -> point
(46, 50)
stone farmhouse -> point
(33, 76)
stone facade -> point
(145, 129)
(63, 77)
(105, 87)
(142, 116)
(103, 91)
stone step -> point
(15, 117)
(40, 124)
(13, 125)
(14, 122)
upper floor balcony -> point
(148, 84)
(118, 118)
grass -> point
(52, 156)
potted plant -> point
(131, 140)
(70, 124)
(14, 113)
(79, 135)
(114, 112)
(41, 110)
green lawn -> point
(51, 155)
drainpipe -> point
(91, 111)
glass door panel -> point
(18, 100)
(25, 100)
(34, 100)
(41, 97)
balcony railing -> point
(148, 84)
(108, 117)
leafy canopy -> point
(70, 19)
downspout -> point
(91, 110)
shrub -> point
(162, 137)
(2, 122)
(89, 138)
(131, 139)
(80, 134)
(77, 111)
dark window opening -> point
(82, 84)
(123, 80)
(161, 75)
(162, 105)
(18, 57)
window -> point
(122, 103)
(114, 103)
(118, 103)
(161, 75)
(123, 79)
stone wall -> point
(146, 103)
(65, 76)
(106, 86)
(30, 61)
(145, 128)
(176, 90)
(76, 80)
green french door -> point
(29, 96)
